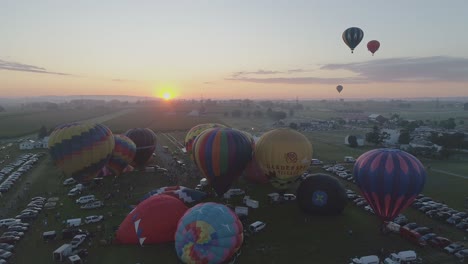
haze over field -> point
(232, 49)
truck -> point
(241, 210)
(403, 257)
(61, 253)
(372, 259)
(73, 222)
(250, 203)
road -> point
(451, 174)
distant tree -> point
(293, 125)
(258, 113)
(352, 140)
(2, 109)
(226, 113)
(376, 136)
(269, 111)
(461, 122)
(278, 115)
(249, 113)
(341, 121)
(236, 113)
(291, 112)
(448, 124)
(465, 106)
(42, 132)
(404, 137)
(308, 108)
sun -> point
(167, 96)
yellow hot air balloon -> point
(283, 154)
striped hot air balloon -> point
(123, 154)
(194, 132)
(222, 154)
(389, 179)
(352, 37)
(81, 150)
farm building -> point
(27, 144)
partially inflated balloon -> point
(194, 132)
(222, 154)
(153, 221)
(208, 233)
(389, 179)
(373, 46)
(352, 37)
(123, 154)
(81, 150)
(284, 154)
(145, 141)
(320, 194)
(339, 88)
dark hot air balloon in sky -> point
(145, 141)
(81, 150)
(389, 179)
(373, 46)
(352, 37)
(339, 88)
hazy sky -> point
(233, 49)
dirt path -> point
(451, 174)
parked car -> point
(422, 230)
(462, 254)
(410, 226)
(9, 239)
(439, 242)
(6, 247)
(13, 233)
(17, 228)
(289, 197)
(462, 225)
(70, 233)
(69, 181)
(93, 219)
(454, 247)
(8, 222)
(453, 220)
(428, 236)
(93, 205)
(74, 192)
(401, 220)
(77, 240)
(5, 254)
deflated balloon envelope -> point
(320, 194)
(153, 221)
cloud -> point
(15, 66)
(426, 69)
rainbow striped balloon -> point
(208, 233)
(389, 179)
(123, 154)
(194, 132)
(81, 150)
(222, 154)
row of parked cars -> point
(441, 211)
(16, 229)
(340, 171)
(13, 171)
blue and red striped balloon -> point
(389, 179)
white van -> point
(85, 199)
(373, 259)
(256, 226)
(62, 252)
(402, 257)
(73, 222)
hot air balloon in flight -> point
(145, 141)
(153, 221)
(320, 194)
(81, 150)
(389, 179)
(194, 132)
(222, 154)
(373, 46)
(339, 88)
(123, 154)
(208, 233)
(283, 154)
(352, 37)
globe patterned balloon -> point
(389, 179)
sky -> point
(224, 49)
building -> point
(27, 144)
(377, 118)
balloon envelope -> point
(208, 233)
(283, 154)
(352, 37)
(373, 46)
(320, 194)
(145, 141)
(389, 179)
(123, 154)
(222, 154)
(339, 88)
(194, 132)
(81, 150)
(153, 221)
(253, 173)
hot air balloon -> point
(339, 88)
(320, 194)
(373, 46)
(389, 179)
(184, 194)
(123, 154)
(153, 221)
(194, 132)
(284, 154)
(253, 173)
(352, 37)
(208, 233)
(222, 154)
(81, 150)
(145, 141)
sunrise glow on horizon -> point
(224, 50)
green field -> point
(290, 236)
